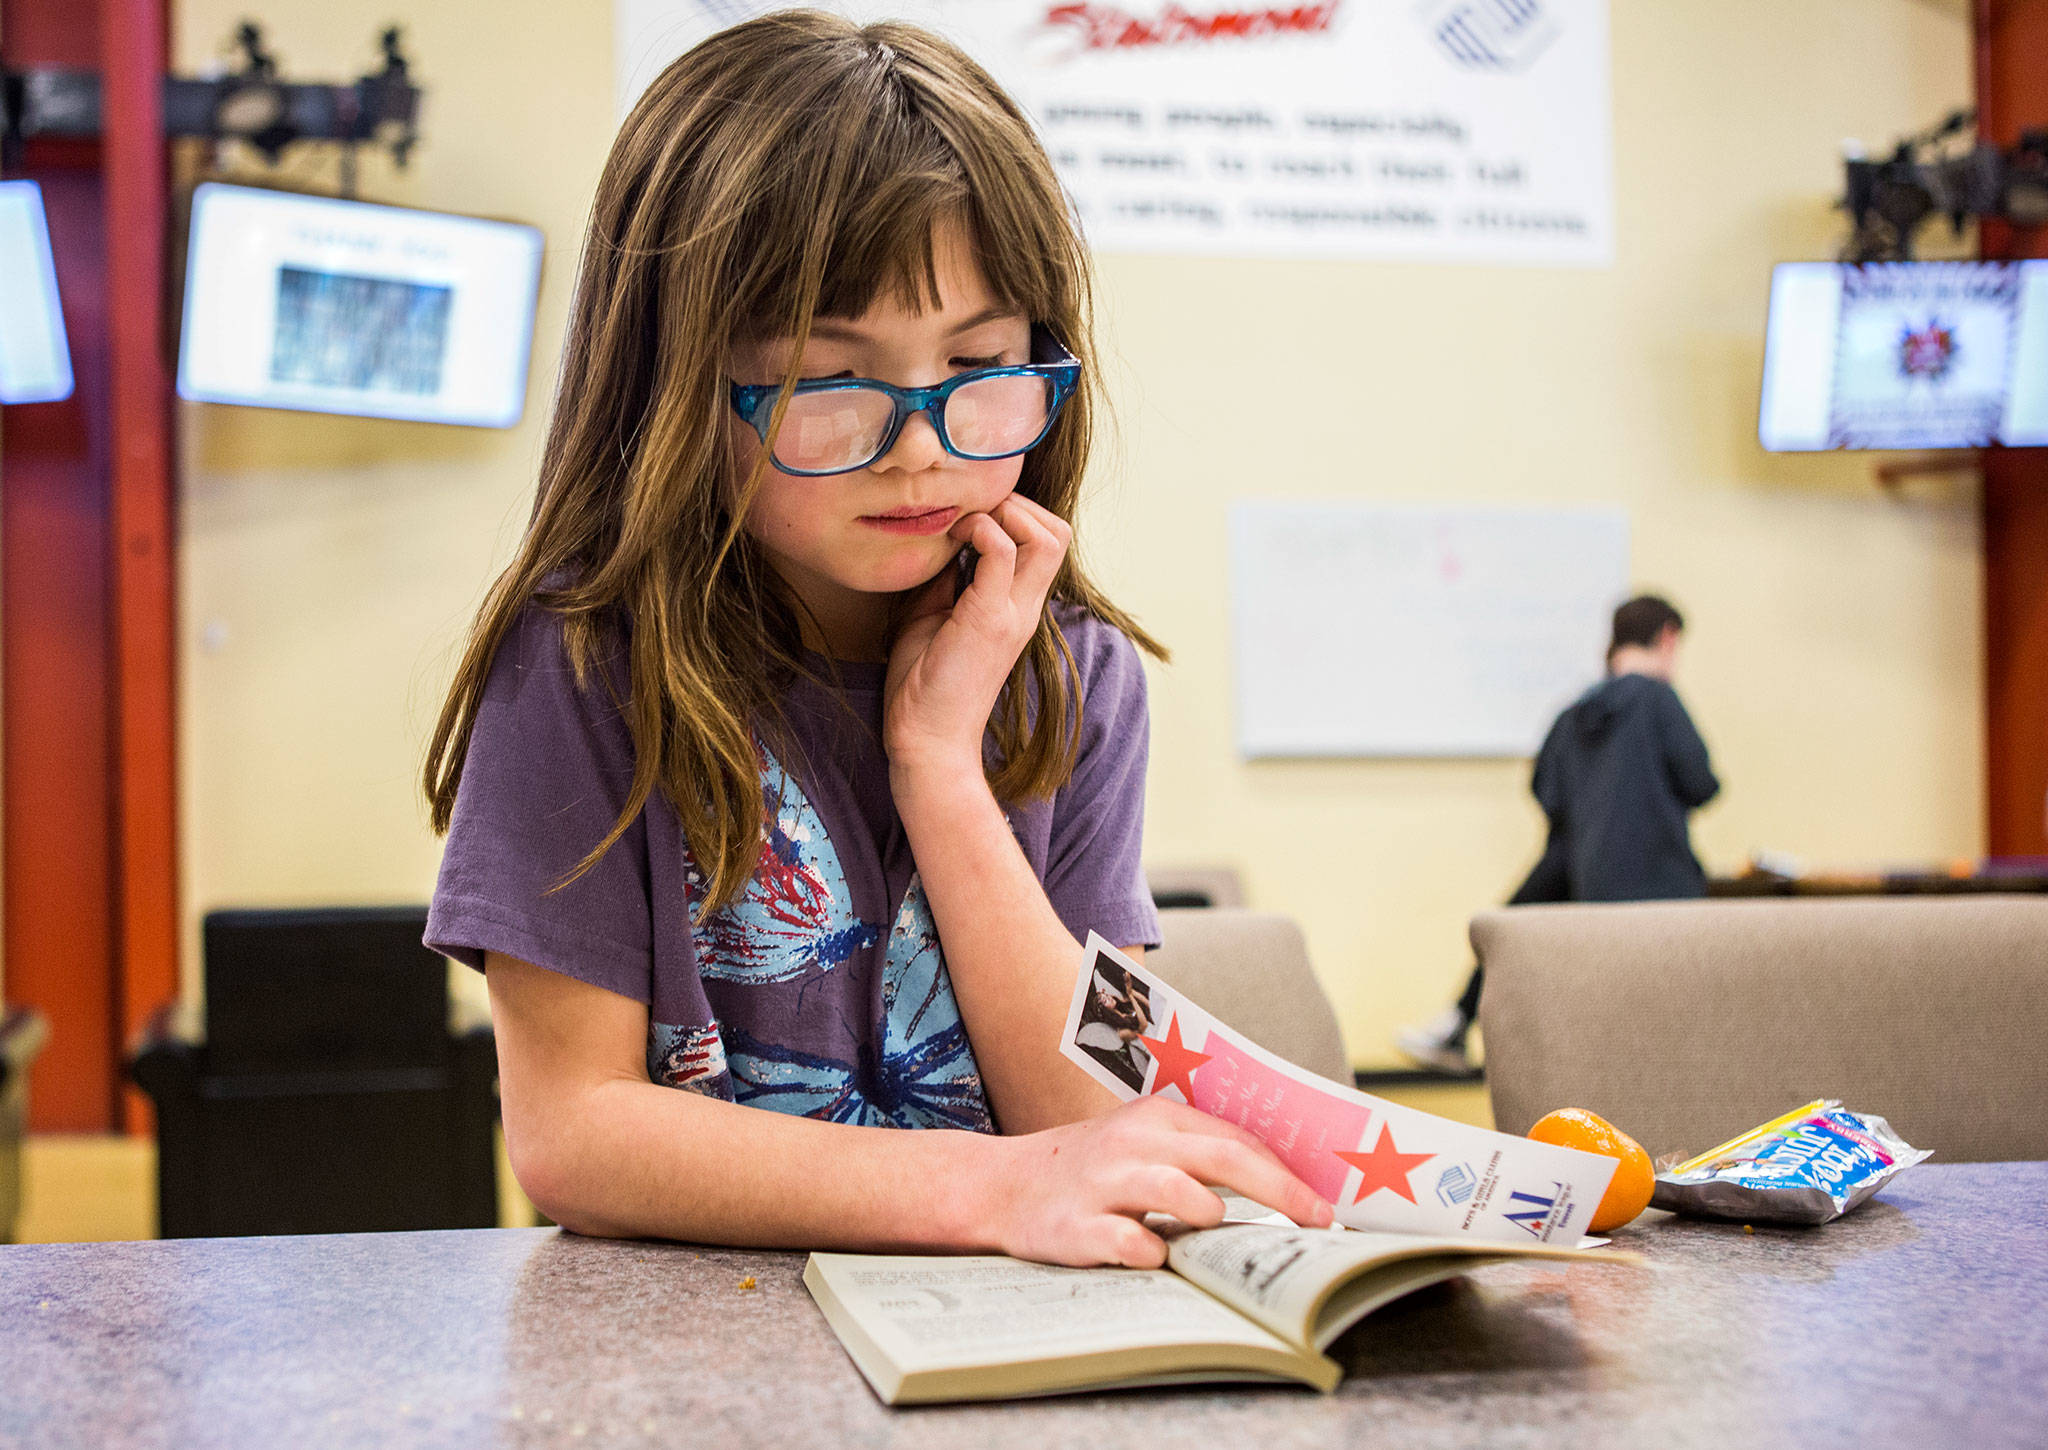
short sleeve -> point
(548, 770)
(1094, 870)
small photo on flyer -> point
(1115, 1013)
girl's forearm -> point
(604, 1151)
(618, 1158)
(1011, 959)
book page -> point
(930, 1313)
(1383, 1165)
(1307, 1285)
(1276, 1274)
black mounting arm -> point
(250, 104)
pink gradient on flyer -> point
(1306, 1127)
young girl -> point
(754, 798)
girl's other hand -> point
(952, 657)
(1078, 1194)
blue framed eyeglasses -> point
(836, 425)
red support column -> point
(86, 568)
(59, 806)
(2012, 96)
(133, 38)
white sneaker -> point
(1439, 1043)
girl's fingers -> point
(1157, 1188)
(1020, 545)
(995, 571)
(1038, 562)
(1184, 1118)
(1053, 524)
(1042, 538)
(1257, 1175)
(1133, 1245)
(1020, 527)
(1147, 1185)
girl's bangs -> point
(883, 245)
(886, 246)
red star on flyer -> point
(1385, 1167)
(1177, 1063)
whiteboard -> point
(1375, 630)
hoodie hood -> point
(1596, 712)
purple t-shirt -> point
(822, 989)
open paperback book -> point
(1256, 1301)
(1421, 1199)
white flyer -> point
(1383, 1165)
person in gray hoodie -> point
(1618, 775)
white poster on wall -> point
(1375, 630)
(1440, 130)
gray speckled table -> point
(1918, 1321)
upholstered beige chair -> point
(1685, 1023)
(1251, 969)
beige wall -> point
(329, 566)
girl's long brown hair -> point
(789, 167)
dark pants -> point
(1548, 880)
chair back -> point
(1179, 886)
(289, 990)
(1251, 969)
(1684, 1023)
(329, 1094)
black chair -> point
(328, 1094)
(1180, 887)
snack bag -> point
(1810, 1166)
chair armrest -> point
(22, 1034)
(162, 1060)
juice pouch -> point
(1810, 1166)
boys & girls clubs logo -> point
(1504, 36)
(1455, 1184)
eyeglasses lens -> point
(836, 429)
(840, 428)
(996, 416)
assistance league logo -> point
(1927, 353)
(1536, 1214)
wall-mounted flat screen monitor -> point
(35, 358)
(346, 307)
(1906, 355)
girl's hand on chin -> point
(952, 657)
